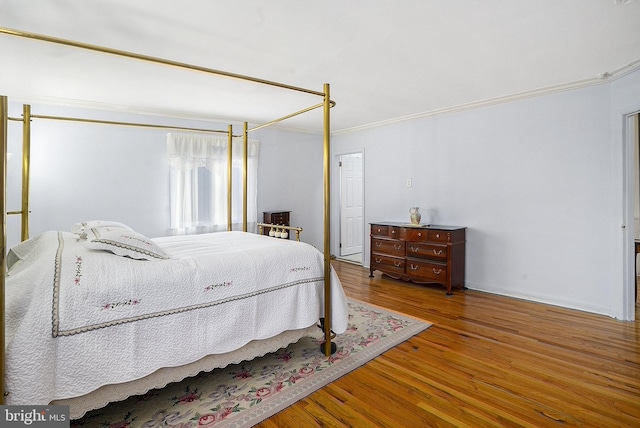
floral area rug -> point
(245, 394)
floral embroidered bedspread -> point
(78, 318)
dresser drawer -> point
(438, 236)
(387, 246)
(422, 269)
(413, 234)
(280, 219)
(427, 250)
(395, 232)
(388, 264)
(378, 230)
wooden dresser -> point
(422, 254)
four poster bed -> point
(100, 312)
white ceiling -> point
(385, 60)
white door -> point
(351, 209)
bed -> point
(84, 312)
(116, 334)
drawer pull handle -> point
(393, 231)
(414, 249)
(414, 267)
(378, 244)
(419, 234)
(437, 253)
(378, 260)
(379, 230)
(437, 235)
(396, 264)
(397, 246)
(437, 271)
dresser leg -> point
(370, 274)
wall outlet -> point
(408, 182)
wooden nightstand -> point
(282, 218)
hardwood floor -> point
(487, 361)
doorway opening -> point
(351, 244)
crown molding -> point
(599, 79)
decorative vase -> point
(415, 215)
(284, 234)
(272, 232)
(277, 234)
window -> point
(199, 183)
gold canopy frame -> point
(326, 104)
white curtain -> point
(199, 183)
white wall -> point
(290, 178)
(537, 182)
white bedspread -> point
(78, 319)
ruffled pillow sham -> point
(81, 228)
(123, 242)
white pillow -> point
(81, 228)
(123, 242)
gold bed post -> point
(4, 120)
(245, 166)
(327, 222)
(229, 175)
(26, 161)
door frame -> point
(629, 186)
(338, 191)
